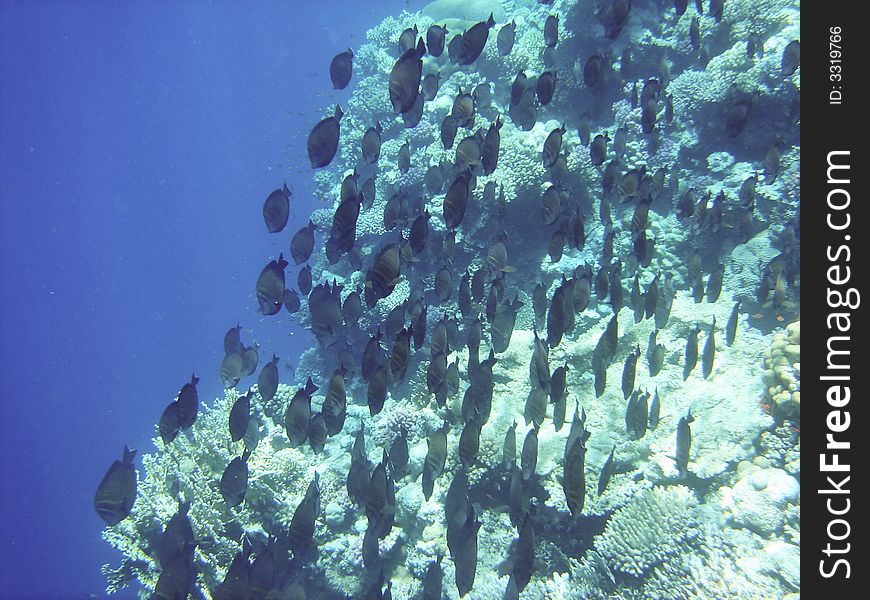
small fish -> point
(456, 200)
(553, 146)
(469, 442)
(188, 403)
(546, 87)
(731, 327)
(655, 354)
(407, 38)
(506, 37)
(403, 158)
(240, 416)
(465, 558)
(574, 476)
(598, 149)
(429, 87)
(270, 286)
(116, 493)
(614, 16)
(771, 164)
(236, 582)
(474, 40)
(736, 115)
(691, 352)
(371, 144)
(695, 33)
(509, 447)
(593, 71)
(684, 442)
(529, 454)
(607, 471)
(301, 531)
(405, 76)
(267, 382)
(489, 150)
(170, 423)
(383, 275)
(535, 409)
(334, 406)
(432, 581)
(303, 280)
(551, 31)
(302, 243)
(435, 459)
(276, 209)
(654, 410)
(680, 7)
(341, 69)
(628, 372)
(714, 283)
(435, 37)
(584, 128)
(323, 140)
(234, 481)
(709, 350)
(791, 58)
(637, 414)
(524, 552)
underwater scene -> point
(554, 291)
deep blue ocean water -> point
(137, 144)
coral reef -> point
(782, 373)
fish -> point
(188, 403)
(503, 324)
(435, 37)
(324, 304)
(607, 471)
(276, 209)
(232, 341)
(529, 454)
(303, 280)
(301, 531)
(736, 115)
(791, 58)
(593, 70)
(524, 552)
(551, 208)
(405, 78)
(637, 414)
(377, 389)
(430, 85)
(680, 7)
(628, 372)
(613, 16)
(170, 423)
(371, 144)
(506, 37)
(432, 580)
(648, 116)
(731, 327)
(474, 40)
(684, 442)
(638, 303)
(691, 352)
(449, 127)
(553, 146)
(367, 193)
(551, 31)
(535, 409)
(267, 381)
(398, 455)
(297, 418)
(403, 158)
(351, 308)
(509, 447)
(443, 284)
(574, 477)
(406, 38)
(584, 128)
(323, 140)
(695, 33)
(302, 243)
(468, 153)
(435, 459)
(412, 117)
(546, 87)
(116, 493)
(469, 442)
(341, 69)
(490, 148)
(334, 406)
(400, 354)
(615, 285)
(654, 410)
(714, 283)
(383, 275)
(454, 48)
(240, 416)
(539, 366)
(709, 351)
(598, 149)
(456, 200)
(463, 109)
(465, 559)
(655, 354)
(234, 481)
(236, 583)
(434, 180)
(771, 164)
(270, 286)
(231, 370)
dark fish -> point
(648, 116)
(736, 115)
(400, 354)
(637, 414)
(276, 209)
(553, 146)
(448, 131)
(524, 552)
(334, 407)
(529, 454)
(170, 423)
(302, 243)
(297, 418)
(695, 33)
(463, 109)
(615, 285)
(303, 280)
(232, 341)
(430, 85)
(443, 284)
(270, 286)
(746, 195)
(606, 472)
(633, 99)
(468, 153)
(267, 382)
(301, 532)
(407, 39)
(377, 389)
(432, 581)
(454, 48)
(435, 36)
(614, 16)
(371, 144)
(405, 78)
(535, 409)
(716, 8)
(539, 366)
(684, 442)
(490, 148)
(236, 583)
(602, 280)
(598, 149)
(680, 7)
(435, 459)
(403, 158)
(628, 372)
(398, 456)
(771, 164)
(791, 58)
(584, 128)
(465, 559)
(691, 352)
(474, 40)
(654, 410)
(482, 95)
(714, 283)
(323, 140)
(664, 303)
(518, 497)
(376, 494)
(709, 351)
(383, 275)
(240, 417)
(451, 378)
(509, 447)
(456, 200)
(506, 37)
(469, 442)
(351, 308)
(638, 304)
(551, 31)
(412, 117)
(231, 370)
(234, 481)
(434, 179)
(116, 493)
(731, 327)
(655, 354)
(367, 193)
(593, 71)
(341, 69)
(188, 403)
(574, 476)
(545, 87)
(503, 324)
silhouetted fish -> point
(791, 58)
(116, 493)
(691, 352)
(276, 209)
(267, 382)
(405, 78)
(234, 481)
(334, 407)
(341, 69)
(506, 37)
(270, 286)
(474, 40)
(709, 353)
(606, 472)
(323, 140)
(731, 327)
(240, 416)
(435, 36)
(546, 87)
(551, 30)
(684, 442)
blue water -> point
(137, 144)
